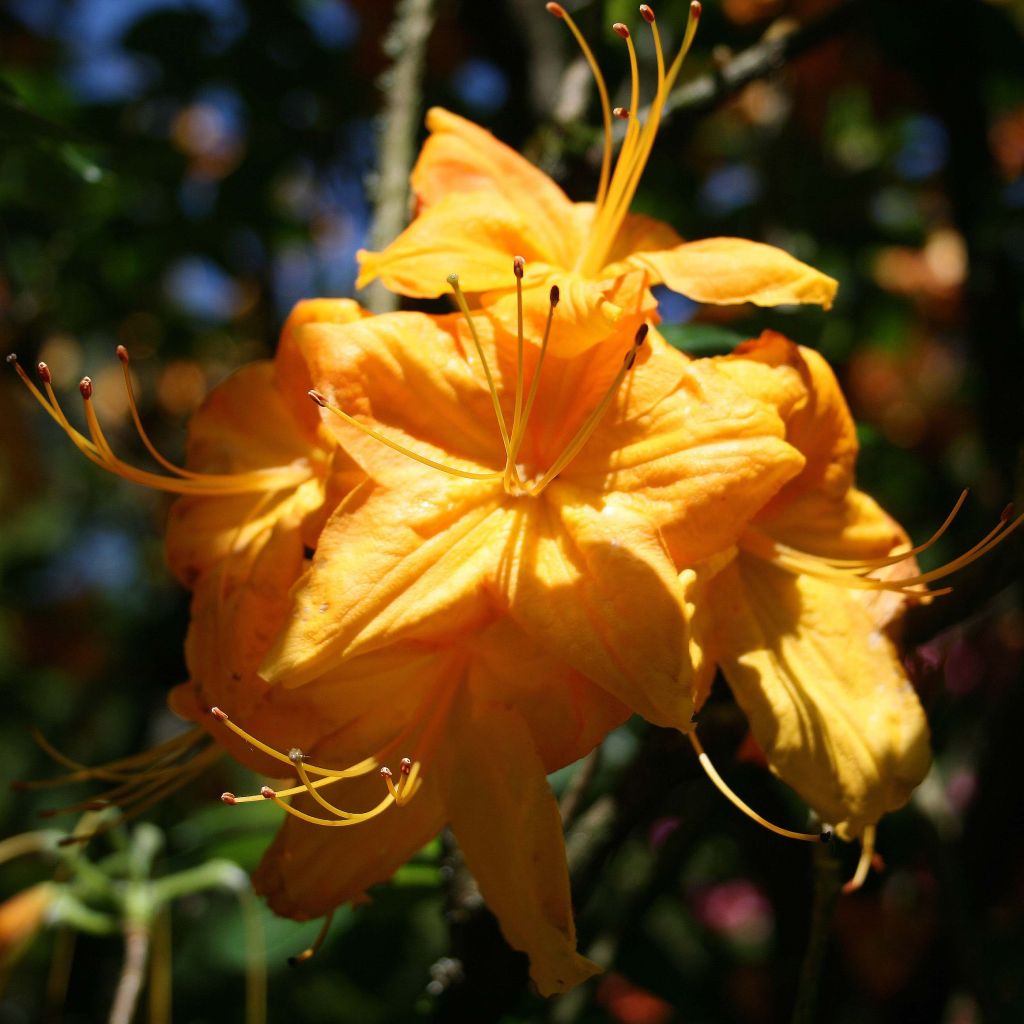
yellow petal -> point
(475, 235)
(461, 157)
(731, 270)
(508, 827)
(640, 234)
(245, 424)
(393, 564)
(824, 690)
(687, 449)
(594, 586)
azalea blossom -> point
(796, 614)
(478, 201)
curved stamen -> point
(395, 446)
(314, 946)
(98, 450)
(602, 90)
(867, 854)
(723, 788)
(511, 475)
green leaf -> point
(702, 339)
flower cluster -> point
(462, 548)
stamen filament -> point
(867, 853)
(518, 435)
(460, 298)
(361, 768)
(511, 475)
(590, 424)
(97, 450)
(355, 819)
(723, 788)
(602, 90)
(395, 446)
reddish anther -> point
(85, 386)
(620, 30)
(295, 755)
(555, 294)
(44, 373)
(217, 713)
(622, 113)
(122, 354)
(406, 765)
(385, 772)
(267, 793)
(229, 798)
(556, 9)
(647, 14)
(12, 358)
(641, 335)
(1007, 513)
(518, 266)
(318, 398)
(695, 9)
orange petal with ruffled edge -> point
(461, 157)
(823, 688)
(726, 271)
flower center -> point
(516, 479)
(618, 186)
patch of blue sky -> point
(729, 188)
(333, 22)
(481, 85)
(202, 289)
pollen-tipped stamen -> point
(97, 450)
(511, 476)
(520, 433)
(591, 422)
(395, 446)
(723, 788)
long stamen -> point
(867, 854)
(122, 355)
(518, 435)
(460, 298)
(633, 159)
(310, 950)
(602, 90)
(511, 475)
(395, 446)
(723, 788)
(591, 422)
(97, 450)
(354, 819)
(648, 15)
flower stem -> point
(826, 892)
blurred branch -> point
(406, 42)
(136, 953)
(765, 58)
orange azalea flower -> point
(795, 615)
(478, 201)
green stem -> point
(826, 892)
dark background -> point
(174, 175)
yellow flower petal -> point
(474, 235)
(732, 270)
(461, 157)
(824, 690)
(511, 837)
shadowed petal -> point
(511, 837)
(825, 693)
